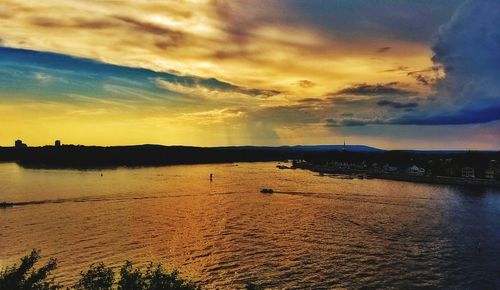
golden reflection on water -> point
(315, 232)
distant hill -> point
(309, 148)
(352, 148)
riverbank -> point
(447, 180)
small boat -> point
(266, 190)
(6, 204)
(282, 167)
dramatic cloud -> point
(461, 117)
(267, 45)
(427, 77)
(206, 72)
(468, 49)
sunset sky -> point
(391, 74)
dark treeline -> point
(148, 155)
(144, 155)
(8, 154)
(73, 156)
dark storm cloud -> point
(426, 77)
(461, 117)
(468, 49)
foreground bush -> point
(25, 276)
(97, 277)
(100, 277)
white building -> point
(489, 173)
(415, 170)
(468, 172)
(390, 169)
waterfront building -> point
(415, 170)
(57, 143)
(390, 169)
(468, 172)
(489, 173)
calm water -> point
(317, 232)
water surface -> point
(316, 232)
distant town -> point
(353, 161)
(464, 168)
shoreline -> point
(444, 180)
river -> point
(314, 232)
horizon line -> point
(261, 146)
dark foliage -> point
(97, 277)
(26, 277)
(154, 278)
(70, 156)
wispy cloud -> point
(384, 49)
(397, 105)
(364, 89)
